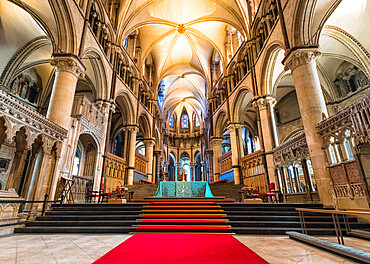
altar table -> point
(183, 189)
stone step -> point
(68, 229)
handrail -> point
(341, 212)
(334, 215)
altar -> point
(183, 189)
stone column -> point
(217, 153)
(302, 63)
(132, 130)
(149, 145)
(263, 105)
(240, 140)
(178, 171)
(235, 152)
(67, 70)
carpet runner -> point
(183, 217)
(182, 233)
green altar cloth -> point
(183, 189)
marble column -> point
(132, 130)
(67, 70)
(263, 105)
(302, 63)
(149, 145)
(235, 152)
(217, 153)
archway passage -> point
(84, 168)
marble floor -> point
(83, 249)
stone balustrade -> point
(114, 171)
(141, 163)
(225, 162)
(17, 115)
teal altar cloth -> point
(183, 189)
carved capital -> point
(132, 128)
(216, 141)
(149, 142)
(299, 57)
(68, 63)
(264, 102)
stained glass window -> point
(171, 121)
(184, 121)
(197, 123)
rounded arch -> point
(307, 24)
(97, 71)
(270, 65)
(93, 137)
(243, 99)
(221, 123)
(144, 124)
(123, 102)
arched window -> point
(184, 121)
(197, 123)
(171, 121)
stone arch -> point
(221, 123)
(99, 73)
(241, 101)
(123, 102)
(303, 32)
(268, 67)
(144, 124)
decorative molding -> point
(299, 57)
(20, 115)
(294, 149)
(68, 63)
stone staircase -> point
(269, 219)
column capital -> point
(264, 102)
(299, 56)
(216, 141)
(69, 63)
(132, 128)
(233, 126)
(150, 142)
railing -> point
(336, 222)
(225, 162)
(114, 171)
(141, 162)
(253, 170)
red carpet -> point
(181, 249)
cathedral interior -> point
(265, 101)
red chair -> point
(104, 194)
(272, 194)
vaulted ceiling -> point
(182, 37)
